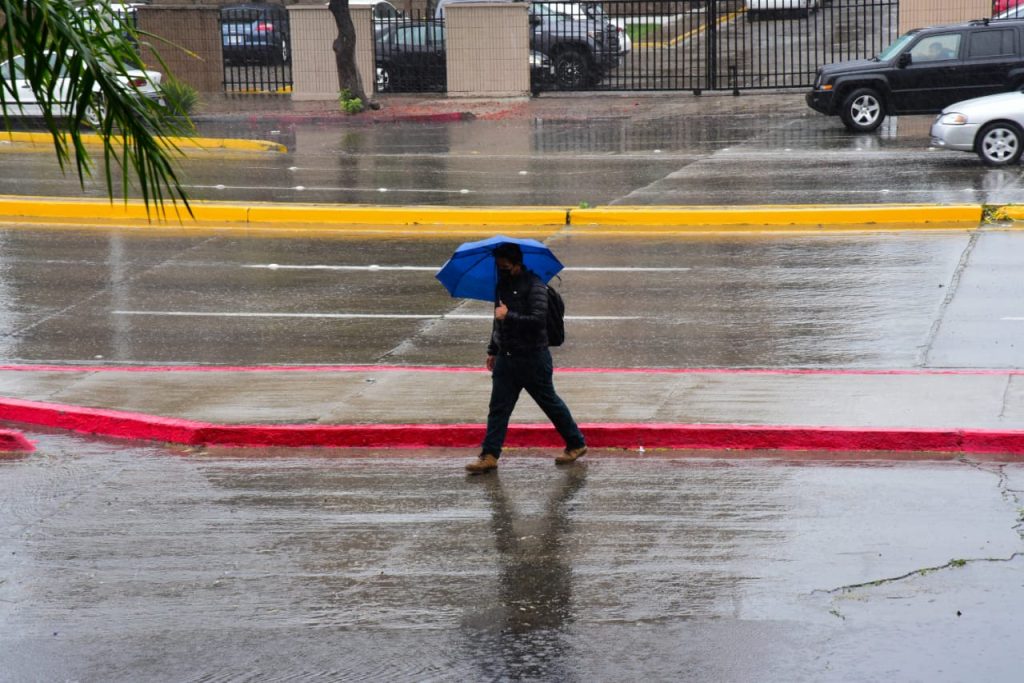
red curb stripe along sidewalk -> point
(481, 370)
(14, 441)
(138, 426)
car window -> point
(992, 44)
(897, 46)
(936, 48)
(411, 36)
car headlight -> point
(953, 118)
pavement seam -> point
(947, 300)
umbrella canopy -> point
(471, 272)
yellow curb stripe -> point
(406, 215)
(789, 215)
(1013, 212)
(182, 143)
(634, 220)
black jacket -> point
(525, 327)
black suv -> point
(922, 72)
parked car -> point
(992, 127)
(146, 83)
(254, 33)
(757, 9)
(922, 72)
(411, 56)
(1004, 5)
(385, 15)
(582, 44)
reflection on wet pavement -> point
(135, 562)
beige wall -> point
(314, 70)
(487, 47)
(195, 28)
(918, 13)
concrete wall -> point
(919, 13)
(193, 27)
(487, 47)
(314, 71)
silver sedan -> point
(992, 127)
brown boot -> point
(484, 463)
(571, 455)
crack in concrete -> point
(954, 284)
(1009, 495)
(952, 564)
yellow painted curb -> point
(325, 214)
(302, 215)
(788, 215)
(623, 220)
(102, 209)
(1013, 212)
(182, 143)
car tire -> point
(1000, 144)
(385, 82)
(863, 110)
(572, 70)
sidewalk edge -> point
(140, 426)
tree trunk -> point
(345, 51)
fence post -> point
(196, 28)
(314, 70)
(487, 49)
(711, 45)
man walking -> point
(518, 358)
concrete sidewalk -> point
(407, 407)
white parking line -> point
(1014, 318)
(434, 269)
(351, 316)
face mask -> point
(505, 273)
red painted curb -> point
(922, 372)
(11, 440)
(127, 425)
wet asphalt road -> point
(898, 300)
(300, 565)
(680, 149)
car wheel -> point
(999, 144)
(863, 110)
(384, 83)
(572, 70)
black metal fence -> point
(741, 45)
(409, 53)
(256, 44)
(632, 45)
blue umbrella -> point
(472, 274)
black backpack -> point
(556, 318)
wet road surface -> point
(898, 300)
(680, 149)
(131, 562)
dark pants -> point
(530, 371)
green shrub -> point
(181, 98)
(350, 104)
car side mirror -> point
(905, 60)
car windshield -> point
(894, 49)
